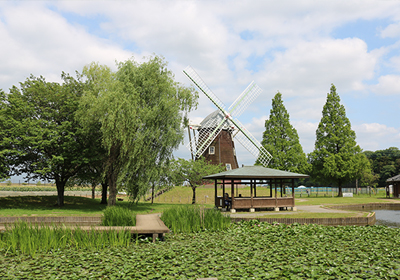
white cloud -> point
(39, 41)
(387, 85)
(375, 136)
(309, 68)
(391, 31)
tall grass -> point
(118, 216)
(189, 218)
(31, 239)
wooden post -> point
(293, 190)
(251, 193)
(223, 192)
(255, 188)
(233, 194)
(216, 194)
(276, 194)
(270, 187)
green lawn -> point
(74, 206)
(82, 206)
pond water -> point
(390, 218)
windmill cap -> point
(215, 118)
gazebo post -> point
(294, 208)
(233, 210)
(251, 196)
(223, 192)
(276, 196)
(215, 193)
(270, 187)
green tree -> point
(281, 140)
(336, 157)
(46, 141)
(140, 109)
(193, 171)
(385, 163)
(4, 143)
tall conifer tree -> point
(336, 159)
(282, 141)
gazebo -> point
(395, 182)
(254, 176)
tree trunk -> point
(194, 195)
(93, 190)
(60, 193)
(104, 193)
(340, 193)
(112, 174)
(152, 193)
(112, 184)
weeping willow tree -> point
(141, 110)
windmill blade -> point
(206, 136)
(245, 99)
(195, 78)
(251, 144)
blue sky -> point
(295, 47)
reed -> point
(189, 218)
(25, 238)
(118, 216)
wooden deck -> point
(145, 224)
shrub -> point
(118, 216)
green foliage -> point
(118, 216)
(281, 140)
(245, 250)
(44, 139)
(5, 145)
(31, 239)
(336, 159)
(193, 171)
(385, 164)
(189, 219)
(140, 109)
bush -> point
(118, 216)
(189, 218)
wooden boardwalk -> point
(145, 224)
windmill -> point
(220, 124)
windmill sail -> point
(244, 100)
(213, 127)
(248, 141)
(195, 78)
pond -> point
(390, 218)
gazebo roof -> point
(255, 172)
(394, 179)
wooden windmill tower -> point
(215, 134)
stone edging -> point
(354, 221)
(367, 206)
